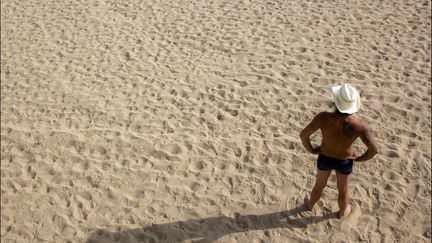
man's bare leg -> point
(320, 183)
(342, 186)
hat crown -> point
(346, 98)
(348, 93)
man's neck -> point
(340, 113)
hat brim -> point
(355, 107)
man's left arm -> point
(313, 126)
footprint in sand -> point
(351, 219)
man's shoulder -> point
(358, 122)
(320, 116)
(323, 117)
(324, 114)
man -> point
(339, 130)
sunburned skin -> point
(347, 129)
(339, 131)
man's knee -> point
(320, 185)
(342, 187)
(342, 182)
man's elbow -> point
(303, 135)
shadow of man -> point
(210, 229)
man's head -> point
(346, 98)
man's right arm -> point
(372, 148)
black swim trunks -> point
(342, 166)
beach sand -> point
(179, 121)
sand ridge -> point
(179, 120)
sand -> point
(179, 121)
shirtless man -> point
(339, 130)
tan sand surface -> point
(178, 121)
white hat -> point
(346, 98)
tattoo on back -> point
(347, 130)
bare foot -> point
(306, 203)
(345, 213)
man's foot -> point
(345, 213)
(306, 203)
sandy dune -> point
(150, 121)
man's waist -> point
(333, 157)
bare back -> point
(338, 134)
